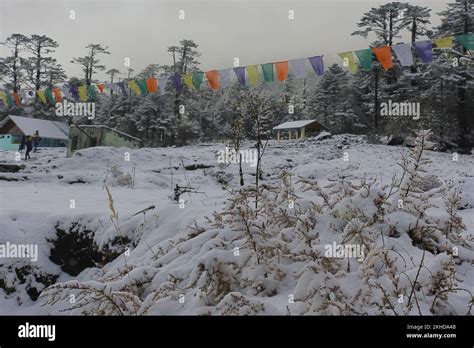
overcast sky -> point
(256, 31)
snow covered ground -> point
(176, 261)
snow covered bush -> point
(349, 247)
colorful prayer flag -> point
(365, 58)
(240, 73)
(176, 78)
(121, 86)
(82, 93)
(224, 78)
(384, 56)
(188, 81)
(298, 68)
(66, 93)
(49, 96)
(41, 95)
(424, 50)
(467, 40)
(74, 92)
(317, 64)
(267, 70)
(404, 54)
(132, 84)
(57, 94)
(9, 98)
(152, 85)
(254, 76)
(16, 98)
(282, 70)
(142, 86)
(112, 86)
(213, 79)
(197, 79)
(162, 81)
(444, 42)
(3, 96)
(349, 62)
(101, 87)
(27, 95)
(91, 92)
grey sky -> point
(256, 31)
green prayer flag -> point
(197, 79)
(142, 85)
(9, 98)
(365, 58)
(267, 70)
(49, 96)
(467, 40)
(91, 92)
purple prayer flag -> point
(111, 86)
(317, 64)
(404, 55)
(424, 50)
(74, 92)
(121, 85)
(176, 78)
(298, 67)
(240, 73)
(2, 105)
(224, 78)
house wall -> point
(10, 128)
(111, 138)
(78, 140)
(9, 142)
(99, 136)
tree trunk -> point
(241, 174)
(376, 98)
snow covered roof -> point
(294, 124)
(46, 128)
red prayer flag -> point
(57, 94)
(384, 56)
(282, 70)
(152, 85)
(16, 98)
(213, 79)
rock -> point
(10, 168)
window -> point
(16, 139)
(73, 143)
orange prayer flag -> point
(152, 85)
(16, 98)
(282, 70)
(57, 94)
(101, 87)
(213, 79)
(384, 56)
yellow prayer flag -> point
(188, 80)
(252, 71)
(349, 61)
(444, 42)
(134, 87)
(41, 95)
(82, 93)
(4, 98)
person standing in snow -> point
(29, 147)
(36, 140)
(22, 145)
